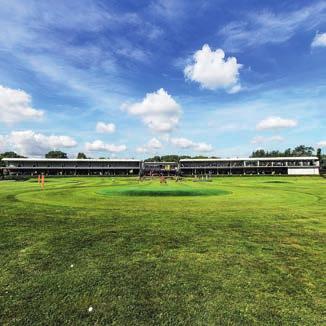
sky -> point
(133, 79)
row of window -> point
(248, 164)
(90, 165)
(163, 166)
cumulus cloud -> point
(153, 145)
(262, 139)
(276, 123)
(15, 106)
(319, 40)
(100, 146)
(29, 143)
(213, 71)
(185, 143)
(102, 127)
(322, 143)
(158, 110)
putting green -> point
(162, 191)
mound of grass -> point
(277, 181)
(169, 192)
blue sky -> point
(138, 78)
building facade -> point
(248, 166)
(160, 168)
(186, 167)
(108, 167)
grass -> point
(235, 251)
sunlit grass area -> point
(237, 250)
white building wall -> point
(306, 171)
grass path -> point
(253, 254)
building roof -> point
(182, 160)
(148, 162)
(291, 158)
(66, 160)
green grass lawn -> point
(238, 250)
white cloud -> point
(319, 40)
(84, 16)
(275, 123)
(92, 71)
(168, 9)
(29, 143)
(185, 143)
(158, 110)
(131, 52)
(15, 106)
(176, 11)
(322, 143)
(99, 145)
(153, 145)
(103, 127)
(182, 142)
(235, 89)
(212, 70)
(264, 27)
(203, 147)
(263, 140)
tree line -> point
(174, 158)
(300, 150)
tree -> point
(319, 154)
(174, 158)
(288, 152)
(258, 153)
(56, 154)
(170, 158)
(303, 150)
(81, 156)
(153, 159)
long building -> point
(245, 166)
(35, 166)
(186, 167)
